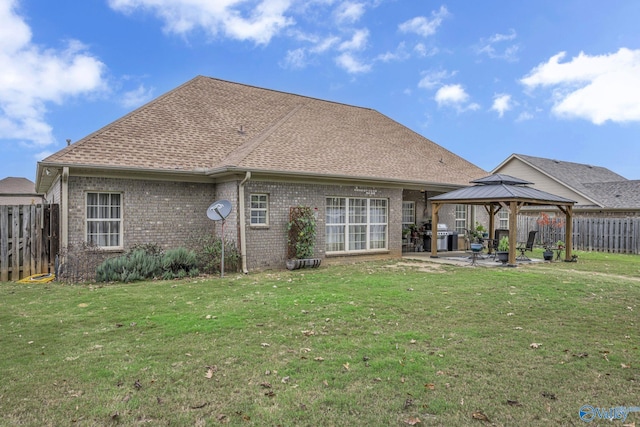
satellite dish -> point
(219, 210)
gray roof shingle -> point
(600, 184)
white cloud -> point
(422, 51)
(524, 116)
(454, 96)
(233, 18)
(508, 53)
(424, 26)
(136, 97)
(501, 103)
(357, 42)
(351, 64)
(295, 59)
(400, 54)
(431, 79)
(32, 77)
(349, 12)
(595, 88)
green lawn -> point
(376, 344)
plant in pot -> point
(301, 230)
(503, 250)
(476, 237)
(548, 252)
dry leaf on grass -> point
(430, 386)
(513, 403)
(210, 371)
(308, 333)
(412, 421)
(478, 415)
(346, 366)
(535, 345)
(318, 359)
(624, 366)
(549, 395)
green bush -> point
(148, 262)
(132, 266)
(209, 253)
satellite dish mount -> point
(219, 211)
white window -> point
(104, 219)
(503, 219)
(259, 210)
(356, 224)
(461, 219)
(408, 214)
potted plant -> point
(503, 250)
(301, 238)
(548, 252)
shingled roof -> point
(604, 187)
(18, 191)
(209, 126)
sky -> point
(483, 79)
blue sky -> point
(484, 79)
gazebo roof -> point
(500, 188)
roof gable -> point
(209, 124)
(590, 185)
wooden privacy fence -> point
(28, 240)
(619, 235)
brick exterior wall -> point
(267, 246)
(170, 213)
(166, 213)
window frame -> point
(461, 209)
(408, 209)
(503, 219)
(264, 210)
(350, 219)
(100, 209)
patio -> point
(464, 259)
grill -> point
(447, 239)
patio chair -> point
(528, 246)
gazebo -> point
(499, 191)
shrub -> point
(132, 266)
(179, 262)
(209, 252)
(148, 262)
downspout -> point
(243, 230)
(64, 208)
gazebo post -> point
(492, 224)
(513, 232)
(435, 207)
(568, 234)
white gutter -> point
(243, 231)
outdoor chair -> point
(528, 246)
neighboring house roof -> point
(617, 194)
(209, 126)
(602, 187)
(18, 191)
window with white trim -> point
(461, 219)
(355, 224)
(408, 214)
(259, 209)
(104, 219)
(503, 219)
